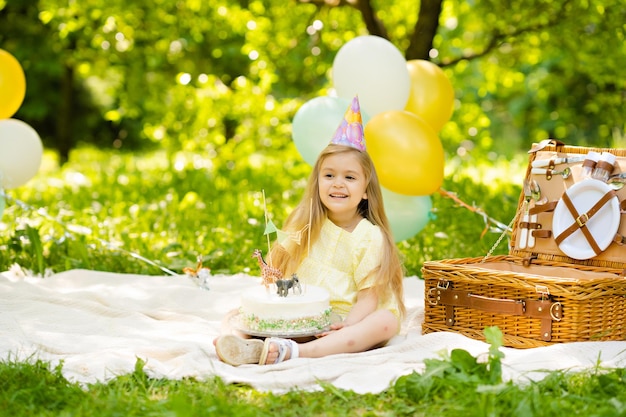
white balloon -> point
(375, 70)
(20, 153)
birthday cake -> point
(266, 311)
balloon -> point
(406, 151)
(375, 70)
(12, 85)
(407, 214)
(20, 153)
(315, 123)
(431, 94)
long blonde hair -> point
(390, 273)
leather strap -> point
(544, 309)
(539, 146)
(605, 165)
(590, 163)
(543, 208)
(582, 219)
(529, 225)
(542, 234)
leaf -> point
(463, 360)
(495, 338)
(36, 247)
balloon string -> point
(68, 232)
(501, 227)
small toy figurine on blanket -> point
(200, 275)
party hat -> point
(350, 131)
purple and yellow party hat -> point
(350, 131)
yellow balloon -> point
(12, 85)
(406, 151)
(432, 95)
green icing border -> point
(303, 324)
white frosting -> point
(266, 304)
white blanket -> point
(99, 323)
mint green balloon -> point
(407, 215)
(315, 123)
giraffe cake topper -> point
(272, 275)
(269, 274)
(350, 130)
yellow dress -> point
(341, 262)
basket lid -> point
(564, 217)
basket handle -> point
(544, 309)
(539, 146)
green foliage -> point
(449, 378)
(27, 388)
(460, 384)
(195, 74)
(455, 385)
(100, 208)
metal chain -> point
(495, 245)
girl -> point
(352, 254)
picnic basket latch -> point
(543, 308)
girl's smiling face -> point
(342, 186)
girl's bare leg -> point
(373, 330)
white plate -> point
(603, 225)
(236, 322)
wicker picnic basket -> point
(567, 285)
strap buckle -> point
(544, 291)
(582, 219)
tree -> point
(198, 75)
(522, 71)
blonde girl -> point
(351, 253)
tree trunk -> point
(373, 24)
(421, 41)
(64, 118)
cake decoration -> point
(283, 285)
(265, 313)
(303, 312)
(269, 274)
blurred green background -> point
(165, 120)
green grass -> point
(455, 385)
(101, 208)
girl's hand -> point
(337, 326)
(333, 328)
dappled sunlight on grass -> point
(101, 206)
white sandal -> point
(284, 346)
(237, 351)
